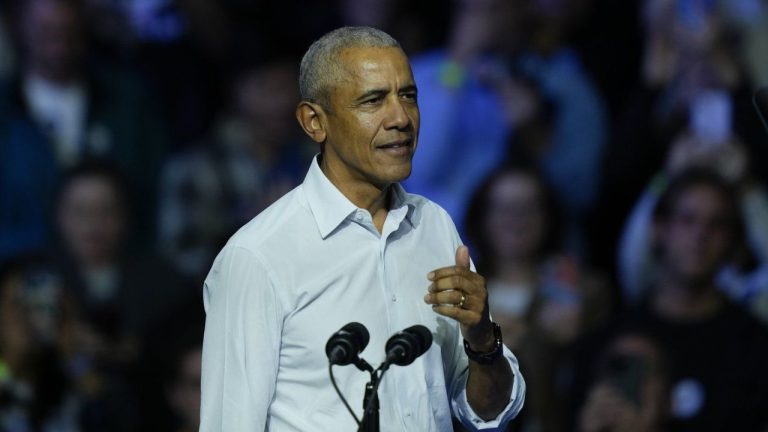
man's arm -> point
(459, 293)
(241, 344)
(489, 387)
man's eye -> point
(409, 97)
(372, 101)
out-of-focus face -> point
(91, 220)
(185, 394)
(689, 25)
(697, 237)
(53, 38)
(266, 99)
(373, 119)
(515, 220)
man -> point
(350, 245)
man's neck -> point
(678, 301)
(363, 194)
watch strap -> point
(491, 356)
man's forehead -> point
(361, 64)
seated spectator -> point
(255, 155)
(630, 392)
(744, 277)
(542, 298)
(716, 350)
(58, 109)
(36, 325)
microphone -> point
(761, 104)
(404, 347)
(345, 345)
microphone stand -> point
(370, 422)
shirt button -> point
(394, 298)
(358, 217)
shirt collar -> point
(330, 207)
(400, 198)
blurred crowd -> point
(602, 159)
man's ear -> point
(311, 117)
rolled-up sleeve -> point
(241, 343)
(467, 415)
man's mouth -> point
(396, 145)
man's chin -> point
(399, 174)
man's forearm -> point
(489, 387)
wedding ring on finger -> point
(460, 304)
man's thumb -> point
(462, 256)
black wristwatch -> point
(489, 357)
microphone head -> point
(404, 347)
(345, 345)
(423, 335)
(359, 332)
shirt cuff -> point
(471, 420)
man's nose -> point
(397, 115)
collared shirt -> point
(297, 273)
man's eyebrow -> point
(411, 88)
(372, 92)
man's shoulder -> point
(281, 219)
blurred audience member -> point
(36, 325)
(744, 278)
(28, 176)
(507, 66)
(255, 156)
(717, 352)
(751, 17)
(461, 107)
(693, 81)
(631, 390)
(122, 297)
(565, 135)
(541, 297)
(76, 109)
(183, 48)
(183, 384)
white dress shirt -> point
(309, 264)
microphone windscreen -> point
(360, 332)
(423, 335)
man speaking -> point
(350, 245)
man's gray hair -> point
(320, 66)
